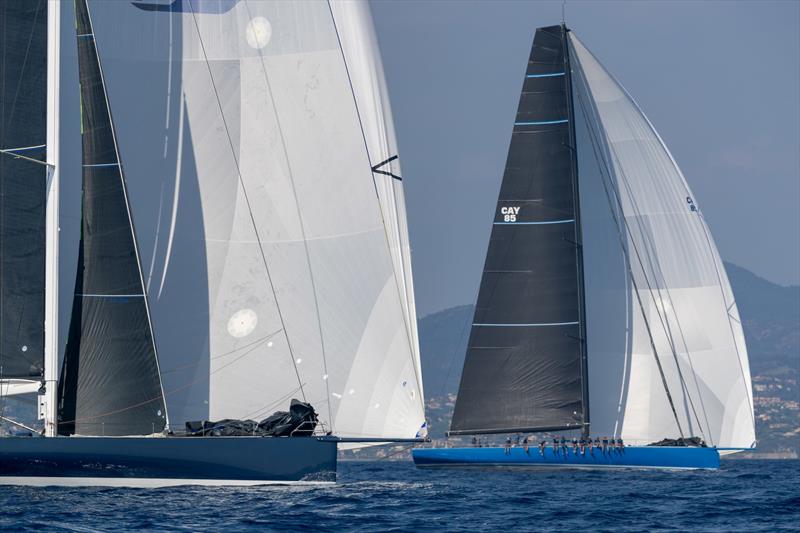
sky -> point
(720, 81)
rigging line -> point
(655, 268)
(247, 199)
(163, 396)
(579, 266)
(299, 216)
(417, 371)
(730, 326)
(24, 63)
(26, 158)
(259, 341)
(595, 144)
(272, 405)
(20, 424)
(652, 263)
(93, 45)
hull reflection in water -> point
(630, 457)
(168, 461)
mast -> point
(578, 232)
(48, 402)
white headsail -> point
(664, 290)
(274, 270)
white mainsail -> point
(274, 270)
(665, 288)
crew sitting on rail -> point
(525, 445)
(508, 446)
(542, 445)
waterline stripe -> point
(551, 75)
(102, 165)
(534, 223)
(541, 122)
(527, 325)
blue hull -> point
(154, 461)
(630, 457)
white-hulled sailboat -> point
(602, 288)
(242, 240)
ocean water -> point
(394, 496)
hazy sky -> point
(719, 80)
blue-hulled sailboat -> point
(602, 288)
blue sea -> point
(394, 496)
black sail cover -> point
(524, 364)
(110, 383)
(23, 131)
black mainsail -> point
(110, 383)
(23, 178)
(525, 366)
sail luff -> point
(578, 233)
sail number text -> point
(509, 213)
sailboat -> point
(241, 242)
(602, 289)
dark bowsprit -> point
(299, 421)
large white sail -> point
(362, 57)
(664, 290)
(267, 253)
